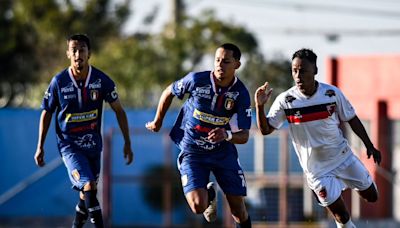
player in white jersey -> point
(314, 111)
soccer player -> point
(76, 96)
(206, 137)
(314, 111)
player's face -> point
(79, 54)
(225, 66)
(303, 73)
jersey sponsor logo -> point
(202, 129)
(204, 91)
(88, 127)
(232, 95)
(81, 117)
(85, 141)
(310, 113)
(94, 95)
(229, 103)
(47, 95)
(211, 119)
(96, 84)
(179, 86)
(69, 88)
(248, 111)
(205, 144)
(330, 93)
(75, 174)
(69, 96)
(289, 99)
(114, 93)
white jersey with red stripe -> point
(314, 126)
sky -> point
(330, 28)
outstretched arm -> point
(44, 123)
(359, 130)
(261, 96)
(123, 125)
(163, 106)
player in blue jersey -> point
(314, 111)
(215, 116)
(76, 96)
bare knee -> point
(370, 194)
(342, 218)
(197, 201)
(90, 186)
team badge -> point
(331, 108)
(323, 194)
(184, 180)
(94, 95)
(229, 103)
(76, 175)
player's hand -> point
(376, 154)
(217, 135)
(39, 157)
(262, 94)
(154, 126)
(128, 154)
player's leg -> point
(239, 211)
(83, 172)
(92, 204)
(341, 214)
(328, 192)
(194, 179)
(230, 178)
(370, 194)
(81, 213)
(357, 177)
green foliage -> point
(33, 47)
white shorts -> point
(351, 174)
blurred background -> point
(144, 46)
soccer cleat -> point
(210, 214)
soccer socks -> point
(93, 207)
(245, 224)
(81, 214)
(348, 224)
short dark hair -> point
(305, 53)
(80, 37)
(236, 51)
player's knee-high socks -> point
(93, 207)
(81, 214)
(245, 224)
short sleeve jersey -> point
(207, 108)
(314, 126)
(78, 108)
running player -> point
(76, 96)
(205, 136)
(314, 111)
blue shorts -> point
(195, 171)
(82, 167)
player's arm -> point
(261, 97)
(162, 108)
(220, 134)
(123, 125)
(359, 130)
(44, 124)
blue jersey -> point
(206, 108)
(78, 107)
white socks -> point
(349, 224)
